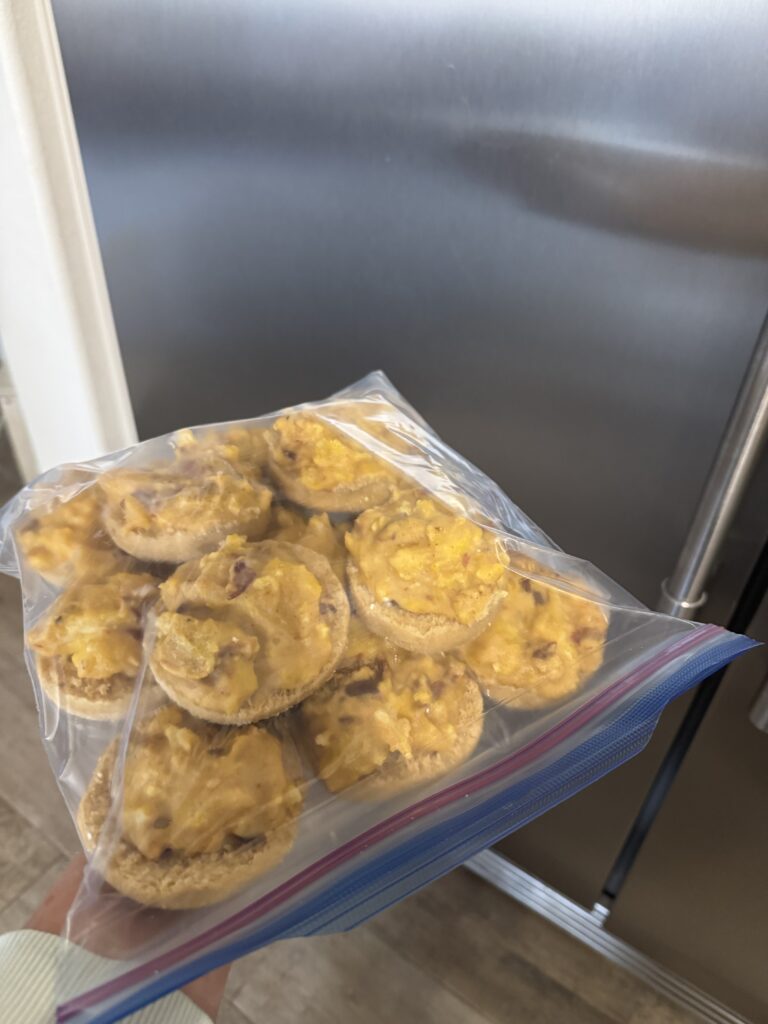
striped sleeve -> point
(38, 971)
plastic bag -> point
(292, 668)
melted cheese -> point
(382, 702)
(97, 626)
(68, 541)
(190, 787)
(236, 621)
(324, 458)
(543, 638)
(183, 497)
(426, 560)
(243, 448)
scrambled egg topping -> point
(316, 533)
(542, 639)
(69, 541)
(97, 626)
(415, 553)
(195, 648)
(321, 457)
(188, 496)
(240, 620)
(381, 702)
(195, 788)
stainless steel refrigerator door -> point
(547, 222)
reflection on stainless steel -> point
(549, 229)
(588, 927)
(739, 449)
(698, 199)
(758, 713)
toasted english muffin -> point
(423, 576)
(179, 511)
(67, 540)
(318, 466)
(191, 856)
(249, 630)
(422, 633)
(388, 719)
(242, 446)
(97, 699)
(87, 646)
(543, 644)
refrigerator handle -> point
(683, 592)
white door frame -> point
(56, 328)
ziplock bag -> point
(292, 668)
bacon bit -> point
(370, 683)
(289, 454)
(583, 632)
(240, 578)
(546, 650)
(237, 842)
(526, 585)
(361, 687)
(538, 597)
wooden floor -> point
(458, 952)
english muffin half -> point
(249, 630)
(67, 540)
(181, 510)
(319, 466)
(423, 576)
(543, 644)
(87, 646)
(243, 446)
(389, 720)
(201, 810)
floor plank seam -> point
(48, 837)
